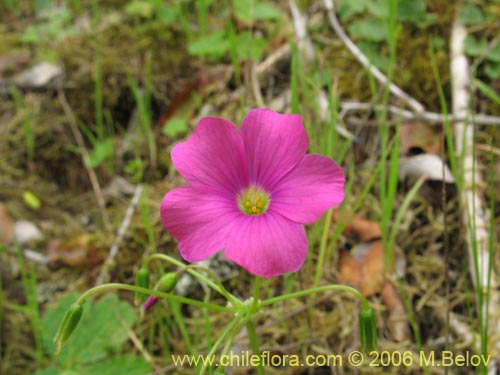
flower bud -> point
(367, 329)
(166, 284)
(68, 325)
(142, 280)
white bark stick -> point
(474, 216)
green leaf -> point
(350, 8)
(126, 364)
(492, 70)
(141, 8)
(31, 200)
(412, 11)
(372, 29)
(99, 333)
(103, 150)
(471, 15)
(47, 371)
(174, 127)
(214, 45)
(378, 8)
(371, 50)
(474, 47)
(494, 54)
(167, 14)
(249, 46)
(254, 10)
(488, 91)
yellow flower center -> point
(253, 201)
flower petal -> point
(274, 144)
(315, 185)
(267, 245)
(199, 220)
(213, 156)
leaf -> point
(428, 165)
(487, 91)
(47, 371)
(350, 8)
(372, 29)
(494, 54)
(214, 45)
(141, 8)
(126, 364)
(31, 200)
(378, 9)
(492, 70)
(471, 15)
(371, 50)
(6, 226)
(364, 230)
(474, 47)
(175, 127)
(421, 136)
(99, 333)
(397, 321)
(74, 252)
(167, 14)
(102, 151)
(412, 11)
(363, 268)
(255, 10)
(250, 46)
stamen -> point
(253, 201)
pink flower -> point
(249, 192)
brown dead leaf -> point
(397, 321)
(76, 252)
(364, 230)
(373, 270)
(365, 274)
(420, 136)
(6, 226)
(350, 270)
(10, 63)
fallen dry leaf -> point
(364, 230)
(397, 321)
(373, 269)
(6, 227)
(365, 269)
(421, 137)
(75, 252)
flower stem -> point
(239, 316)
(256, 293)
(217, 285)
(322, 248)
(319, 289)
(114, 286)
(254, 344)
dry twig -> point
(379, 76)
(86, 158)
(104, 275)
(306, 48)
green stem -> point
(256, 293)
(254, 344)
(319, 289)
(217, 285)
(322, 248)
(113, 286)
(239, 316)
